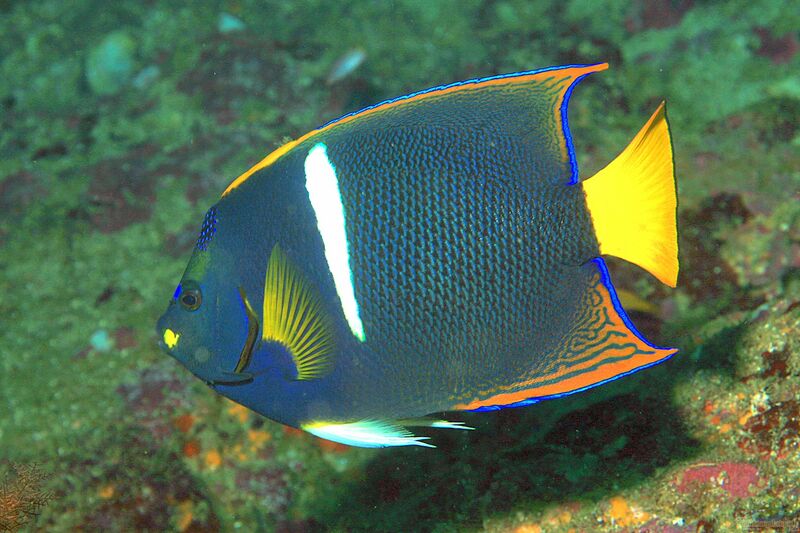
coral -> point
(22, 496)
(734, 478)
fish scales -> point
(456, 254)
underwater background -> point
(121, 122)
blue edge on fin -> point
(606, 279)
(573, 160)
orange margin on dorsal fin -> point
(576, 72)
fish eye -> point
(191, 297)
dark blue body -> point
(468, 234)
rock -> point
(146, 76)
(733, 478)
(101, 341)
(227, 23)
(110, 65)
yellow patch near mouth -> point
(171, 338)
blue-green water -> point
(122, 122)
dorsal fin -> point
(560, 79)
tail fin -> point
(633, 204)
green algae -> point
(83, 157)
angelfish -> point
(435, 252)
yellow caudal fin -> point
(633, 204)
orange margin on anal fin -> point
(602, 346)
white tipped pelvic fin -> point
(378, 433)
(366, 433)
(432, 423)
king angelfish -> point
(436, 252)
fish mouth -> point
(239, 376)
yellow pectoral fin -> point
(633, 203)
(294, 317)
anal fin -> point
(603, 345)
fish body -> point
(432, 253)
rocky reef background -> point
(120, 123)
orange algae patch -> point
(622, 514)
(213, 459)
(258, 437)
(240, 412)
(528, 528)
(185, 516)
(191, 448)
(106, 492)
(184, 423)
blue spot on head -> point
(208, 230)
(177, 292)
